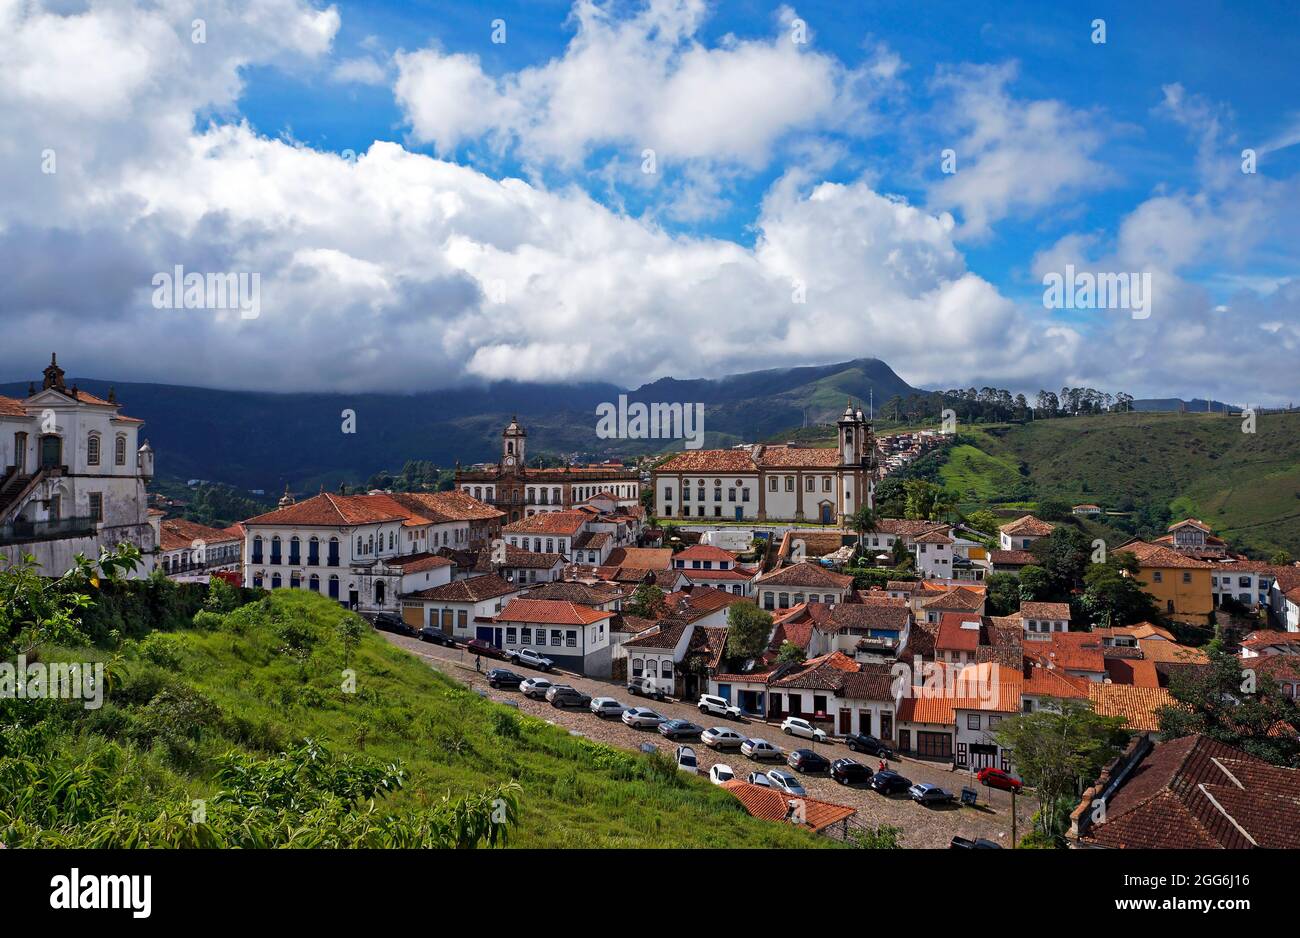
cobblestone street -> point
(920, 826)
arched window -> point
(370, 548)
(295, 550)
(275, 581)
(379, 593)
(275, 549)
(334, 552)
(334, 586)
(361, 547)
(257, 549)
(119, 450)
(313, 551)
(92, 450)
(257, 580)
(314, 583)
(390, 540)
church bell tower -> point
(514, 443)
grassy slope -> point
(1245, 485)
(575, 793)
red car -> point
(476, 646)
(996, 778)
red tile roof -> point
(550, 612)
(808, 575)
(331, 511)
(772, 805)
(641, 558)
(179, 534)
(550, 522)
(1137, 705)
(470, 590)
(703, 552)
(1012, 558)
(958, 632)
(12, 407)
(1152, 556)
(1032, 610)
(443, 507)
(1028, 525)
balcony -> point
(21, 531)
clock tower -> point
(514, 442)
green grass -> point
(1246, 486)
(575, 793)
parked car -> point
(759, 749)
(607, 707)
(798, 726)
(640, 717)
(805, 760)
(431, 633)
(850, 772)
(890, 783)
(386, 622)
(863, 742)
(928, 795)
(476, 646)
(979, 843)
(645, 687)
(500, 677)
(718, 707)
(784, 781)
(997, 778)
(719, 737)
(562, 695)
(721, 773)
(535, 687)
(680, 729)
(686, 760)
(531, 659)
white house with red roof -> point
(575, 636)
(74, 476)
(192, 552)
(706, 565)
(1021, 533)
(801, 582)
(773, 482)
(461, 607)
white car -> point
(607, 707)
(719, 737)
(686, 760)
(721, 773)
(530, 658)
(535, 687)
(797, 726)
(760, 749)
(718, 707)
(759, 779)
(641, 717)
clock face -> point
(510, 460)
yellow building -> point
(1180, 584)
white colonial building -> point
(766, 483)
(74, 476)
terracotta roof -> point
(699, 602)
(418, 563)
(1278, 667)
(470, 590)
(550, 612)
(958, 632)
(518, 557)
(12, 407)
(709, 461)
(1160, 650)
(1011, 558)
(906, 527)
(442, 507)
(772, 805)
(1032, 610)
(589, 594)
(703, 552)
(642, 558)
(1195, 792)
(1136, 671)
(1151, 556)
(549, 522)
(737, 573)
(842, 617)
(179, 534)
(959, 598)
(796, 457)
(823, 673)
(808, 575)
(667, 635)
(1193, 522)
(330, 511)
(1262, 638)
(1137, 705)
(1069, 651)
(1046, 682)
(1139, 631)
(933, 537)
(1028, 525)
(633, 625)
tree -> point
(927, 501)
(984, 521)
(1054, 509)
(1112, 595)
(1003, 593)
(647, 601)
(1231, 702)
(1280, 557)
(863, 521)
(748, 630)
(1058, 749)
(1033, 582)
(884, 837)
(790, 653)
(1064, 555)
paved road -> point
(921, 827)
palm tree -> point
(864, 522)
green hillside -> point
(1152, 465)
(209, 709)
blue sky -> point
(781, 168)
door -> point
(353, 599)
(740, 513)
(905, 740)
(483, 633)
(826, 513)
(846, 721)
(864, 722)
(887, 726)
(774, 705)
(334, 588)
(51, 451)
(20, 453)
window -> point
(1187, 576)
(744, 494)
(462, 619)
(637, 667)
(512, 637)
(525, 636)
(809, 484)
(686, 493)
(571, 638)
(666, 670)
(972, 721)
(789, 483)
(295, 551)
(275, 549)
(313, 551)
(275, 581)
(556, 638)
(97, 506)
(826, 483)
(1157, 576)
(257, 549)
(771, 484)
(92, 450)
(314, 583)
(334, 552)
(119, 451)
(668, 493)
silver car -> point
(759, 779)
(719, 737)
(607, 707)
(535, 687)
(787, 783)
(642, 717)
(760, 749)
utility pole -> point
(1013, 819)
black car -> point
(890, 783)
(862, 742)
(431, 633)
(385, 622)
(979, 843)
(850, 772)
(805, 760)
(680, 729)
(500, 677)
